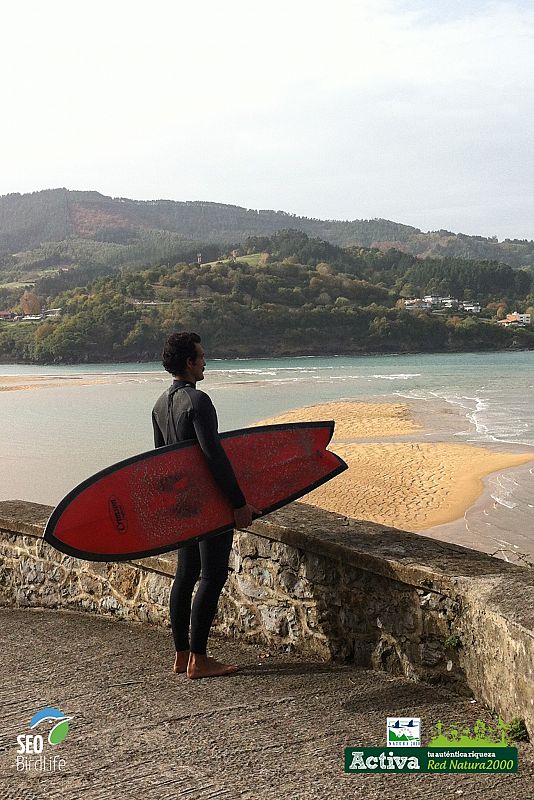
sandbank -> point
(16, 383)
(408, 485)
(356, 420)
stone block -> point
(319, 571)
(6, 575)
(109, 603)
(265, 548)
(90, 584)
(315, 618)
(55, 573)
(75, 564)
(245, 545)
(156, 588)
(125, 579)
(274, 619)
(436, 625)
(9, 542)
(303, 589)
(70, 588)
(248, 618)
(295, 630)
(32, 572)
(354, 619)
(88, 605)
(99, 568)
(287, 580)
(158, 616)
(22, 598)
(262, 571)
(362, 650)
(235, 561)
(286, 555)
(398, 615)
(432, 652)
(385, 656)
(250, 588)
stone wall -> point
(322, 585)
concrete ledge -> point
(323, 585)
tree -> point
(30, 303)
(468, 294)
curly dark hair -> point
(177, 349)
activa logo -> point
(33, 743)
(382, 761)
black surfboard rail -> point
(58, 544)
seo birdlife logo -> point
(31, 745)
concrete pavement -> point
(275, 729)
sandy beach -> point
(17, 383)
(357, 420)
(411, 485)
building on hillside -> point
(6, 316)
(448, 302)
(436, 302)
(52, 312)
(417, 303)
(151, 302)
(515, 320)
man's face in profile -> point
(197, 366)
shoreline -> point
(416, 463)
(263, 357)
(404, 480)
(19, 383)
(515, 547)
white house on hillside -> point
(515, 319)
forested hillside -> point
(281, 295)
(122, 232)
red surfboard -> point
(161, 500)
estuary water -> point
(53, 438)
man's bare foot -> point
(180, 662)
(201, 666)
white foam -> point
(403, 376)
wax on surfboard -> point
(162, 499)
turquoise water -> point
(53, 438)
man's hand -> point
(243, 516)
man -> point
(184, 412)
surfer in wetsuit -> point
(184, 412)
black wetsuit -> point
(182, 413)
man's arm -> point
(159, 441)
(205, 424)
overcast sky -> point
(416, 111)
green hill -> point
(293, 296)
(48, 229)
